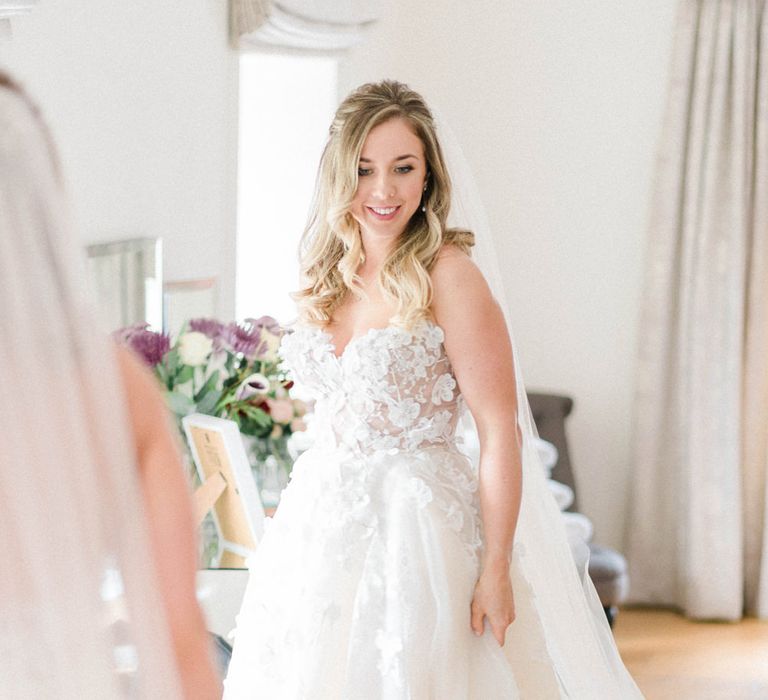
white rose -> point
(273, 343)
(194, 348)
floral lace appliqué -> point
(390, 388)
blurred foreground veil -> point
(80, 613)
(560, 644)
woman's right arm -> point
(479, 349)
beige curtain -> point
(755, 423)
(246, 16)
(324, 25)
(697, 534)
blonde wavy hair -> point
(331, 249)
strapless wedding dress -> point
(362, 584)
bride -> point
(392, 568)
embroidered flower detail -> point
(433, 335)
(404, 413)
(420, 491)
(442, 389)
(420, 361)
(383, 394)
(455, 517)
(442, 423)
(399, 337)
(384, 446)
(385, 443)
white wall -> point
(557, 105)
(142, 100)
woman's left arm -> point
(172, 532)
(479, 349)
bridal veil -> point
(558, 610)
(80, 614)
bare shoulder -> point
(463, 305)
(476, 339)
(138, 382)
(146, 408)
(451, 254)
(457, 280)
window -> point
(286, 105)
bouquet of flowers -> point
(230, 371)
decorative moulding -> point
(324, 25)
(12, 8)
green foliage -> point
(204, 373)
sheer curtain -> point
(80, 612)
(302, 24)
(697, 534)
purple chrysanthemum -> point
(123, 335)
(211, 328)
(244, 338)
(266, 322)
(149, 345)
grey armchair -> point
(607, 567)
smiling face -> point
(391, 177)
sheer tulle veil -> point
(71, 511)
(556, 603)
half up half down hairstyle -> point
(331, 249)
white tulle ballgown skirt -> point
(361, 589)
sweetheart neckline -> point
(334, 348)
(371, 331)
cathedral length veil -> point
(70, 501)
(558, 612)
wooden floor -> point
(672, 658)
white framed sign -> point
(221, 463)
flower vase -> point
(271, 464)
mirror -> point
(127, 277)
(561, 139)
(186, 299)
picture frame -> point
(227, 488)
